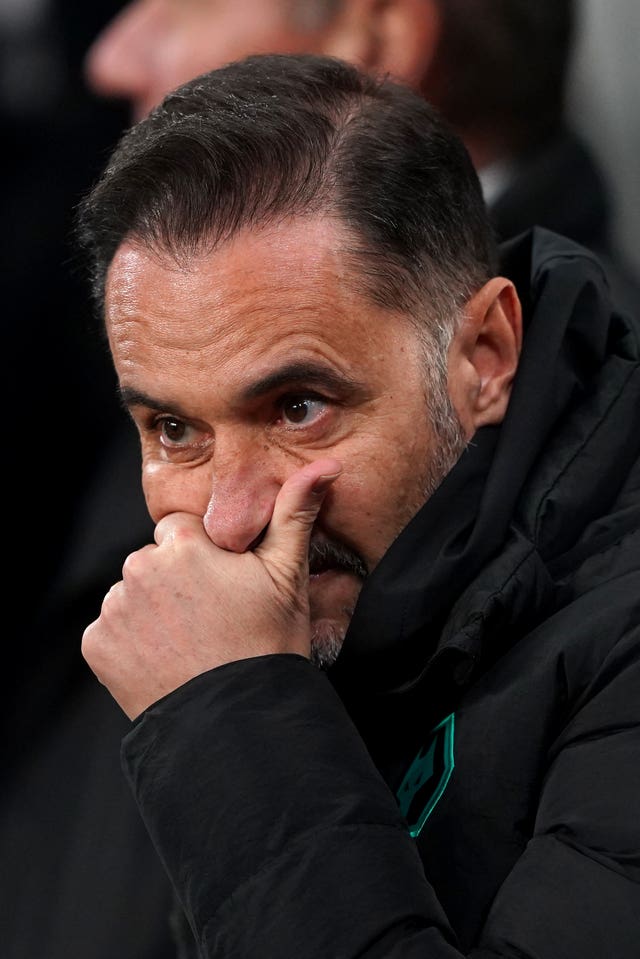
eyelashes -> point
(177, 439)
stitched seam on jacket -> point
(584, 851)
(481, 614)
(615, 545)
(619, 543)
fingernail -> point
(323, 482)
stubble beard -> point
(327, 634)
(326, 642)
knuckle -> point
(134, 563)
(112, 596)
(87, 641)
(90, 646)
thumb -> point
(285, 547)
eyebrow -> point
(304, 374)
(312, 375)
(131, 397)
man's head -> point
(494, 68)
(295, 261)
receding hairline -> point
(348, 248)
(398, 250)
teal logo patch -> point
(427, 776)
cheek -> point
(357, 513)
(168, 489)
(373, 502)
(156, 493)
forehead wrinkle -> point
(222, 312)
(243, 299)
(246, 276)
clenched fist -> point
(184, 605)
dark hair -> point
(274, 136)
(501, 66)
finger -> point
(286, 543)
(133, 558)
(176, 524)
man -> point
(382, 657)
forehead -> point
(270, 286)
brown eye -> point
(296, 411)
(302, 410)
(173, 431)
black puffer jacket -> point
(466, 781)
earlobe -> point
(395, 37)
(484, 355)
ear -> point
(397, 37)
(484, 355)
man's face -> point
(255, 360)
(154, 46)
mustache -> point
(330, 554)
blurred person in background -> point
(495, 69)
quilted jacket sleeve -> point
(282, 839)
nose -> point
(119, 63)
(243, 493)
